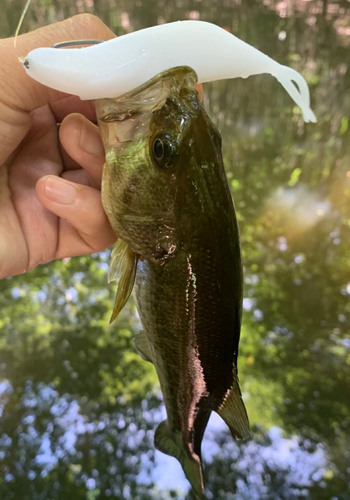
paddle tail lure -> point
(115, 67)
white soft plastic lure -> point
(117, 66)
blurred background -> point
(78, 406)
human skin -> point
(50, 175)
(51, 159)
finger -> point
(67, 161)
(82, 142)
(32, 94)
(83, 224)
(77, 176)
(19, 94)
(73, 104)
(199, 88)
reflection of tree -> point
(73, 406)
(271, 468)
(75, 383)
(291, 187)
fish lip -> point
(172, 79)
(183, 71)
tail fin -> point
(172, 444)
(233, 412)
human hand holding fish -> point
(50, 176)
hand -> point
(50, 175)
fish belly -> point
(190, 310)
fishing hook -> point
(74, 43)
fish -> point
(166, 195)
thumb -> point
(83, 225)
(19, 94)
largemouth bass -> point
(165, 192)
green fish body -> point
(165, 192)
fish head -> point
(153, 139)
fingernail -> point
(90, 141)
(60, 191)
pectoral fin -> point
(172, 444)
(233, 412)
(143, 347)
(123, 268)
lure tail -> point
(300, 93)
(172, 444)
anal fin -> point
(233, 412)
(123, 268)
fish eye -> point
(164, 151)
(158, 149)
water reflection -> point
(74, 422)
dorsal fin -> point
(233, 412)
(122, 268)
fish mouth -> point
(178, 76)
(149, 96)
(124, 118)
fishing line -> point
(21, 21)
(71, 43)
